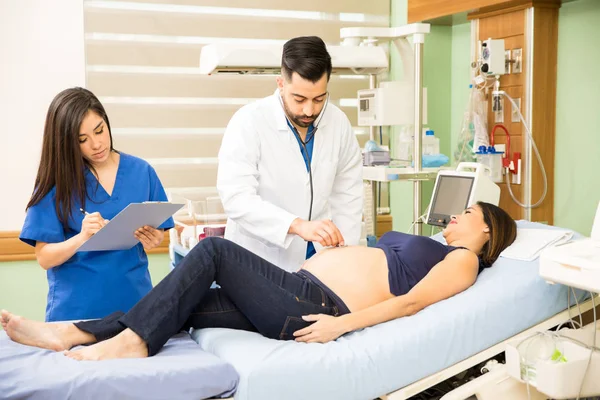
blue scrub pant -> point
(254, 295)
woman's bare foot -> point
(3, 321)
(126, 344)
(33, 333)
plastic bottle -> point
(536, 349)
(478, 119)
(431, 144)
(493, 159)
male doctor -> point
(290, 166)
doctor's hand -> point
(149, 237)
(324, 329)
(91, 224)
(324, 232)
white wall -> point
(41, 53)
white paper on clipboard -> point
(118, 234)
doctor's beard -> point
(299, 120)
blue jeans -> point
(254, 295)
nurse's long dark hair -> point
(62, 164)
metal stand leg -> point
(372, 135)
(417, 156)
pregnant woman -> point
(337, 291)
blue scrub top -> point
(310, 248)
(95, 284)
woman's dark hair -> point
(62, 164)
(307, 56)
(503, 232)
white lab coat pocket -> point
(258, 246)
(323, 180)
(325, 176)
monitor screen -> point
(451, 197)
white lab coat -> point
(264, 184)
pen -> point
(84, 212)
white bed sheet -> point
(506, 299)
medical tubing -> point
(578, 308)
(579, 342)
(414, 222)
(558, 335)
(420, 218)
(492, 138)
(570, 320)
(537, 154)
(587, 367)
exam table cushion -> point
(506, 299)
(180, 371)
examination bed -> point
(386, 359)
(395, 359)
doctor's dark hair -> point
(62, 164)
(503, 232)
(307, 56)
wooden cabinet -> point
(384, 224)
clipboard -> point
(118, 234)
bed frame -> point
(432, 380)
(438, 377)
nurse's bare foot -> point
(57, 337)
(126, 344)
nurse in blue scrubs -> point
(82, 182)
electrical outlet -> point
(507, 62)
(514, 115)
(517, 67)
(516, 178)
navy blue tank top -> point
(410, 258)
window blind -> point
(142, 62)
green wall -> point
(577, 187)
(23, 286)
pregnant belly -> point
(358, 275)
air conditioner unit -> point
(266, 59)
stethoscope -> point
(305, 155)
